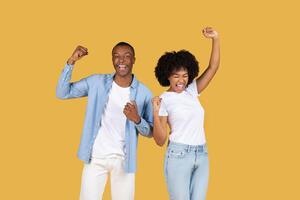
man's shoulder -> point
(98, 77)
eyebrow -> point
(124, 53)
(174, 73)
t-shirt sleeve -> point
(163, 109)
(192, 88)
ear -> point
(133, 60)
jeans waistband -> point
(187, 147)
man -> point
(119, 107)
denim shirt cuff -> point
(69, 67)
(142, 127)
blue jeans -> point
(186, 171)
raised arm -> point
(160, 123)
(209, 73)
(65, 89)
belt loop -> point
(200, 148)
(205, 148)
(189, 148)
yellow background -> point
(252, 105)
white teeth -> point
(122, 67)
(180, 86)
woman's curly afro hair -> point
(174, 61)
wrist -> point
(156, 113)
(138, 120)
(71, 61)
(216, 38)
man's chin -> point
(123, 74)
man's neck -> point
(123, 81)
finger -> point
(81, 54)
(125, 111)
(210, 31)
(79, 51)
(86, 49)
(158, 103)
(133, 102)
(133, 106)
(130, 106)
(129, 109)
(82, 47)
(155, 98)
(83, 51)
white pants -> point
(94, 177)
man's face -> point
(123, 60)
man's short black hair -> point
(125, 44)
(174, 61)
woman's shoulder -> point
(165, 95)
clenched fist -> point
(131, 112)
(209, 32)
(156, 102)
(78, 53)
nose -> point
(181, 80)
(121, 59)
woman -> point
(186, 162)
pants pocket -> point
(176, 153)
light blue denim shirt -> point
(96, 87)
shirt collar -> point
(134, 82)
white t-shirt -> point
(110, 140)
(185, 115)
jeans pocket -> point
(176, 153)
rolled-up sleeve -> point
(145, 127)
(66, 89)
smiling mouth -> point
(122, 67)
(180, 86)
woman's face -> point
(178, 80)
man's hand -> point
(131, 112)
(78, 53)
(209, 32)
